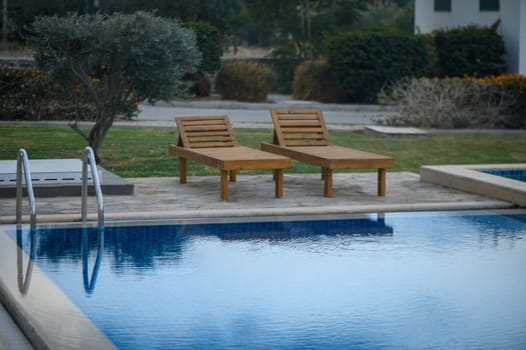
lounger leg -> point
(328, 182)
(278, 173)
(224, 184)
(274, 174)
(381, 182)
(233, 176)
(182, 170)
(323, 173)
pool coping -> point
(472, 179)
(45, 318)
(259, 212)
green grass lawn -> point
(142, 152)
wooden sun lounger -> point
(301, 134)
(211, 141)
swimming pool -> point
(411, 281)
(519, 175)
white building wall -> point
(463, 13)
(509, 29)
(424, 22)
(522, 38)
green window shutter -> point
(489, 5)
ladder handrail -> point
(88, 156)
(22, 163)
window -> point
(489, 5)
(442, 5)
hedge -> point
(469, 50)
(364, 61)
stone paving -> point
(253, 195)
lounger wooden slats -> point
(302, 134)
(211, 141)
(301, 128)
(206, 132)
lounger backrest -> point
(205, 132)
(299, 127)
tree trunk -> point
(98, 132)
(4, 23)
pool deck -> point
(253, 195)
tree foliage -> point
(116, 59)
(216, 12)
(253, 22)
(209, 43)
(305, 22)
(397, 15)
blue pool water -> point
(403, 281)
(519, 175)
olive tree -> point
(116, 60)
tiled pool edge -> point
(318, 210)
(470, 178)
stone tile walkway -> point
(253, 195)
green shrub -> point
(469, 50)
(364, 61)
(24, 92)
(513, 86)
(244, 81)
(456, 103)
(314, 81)
(201, 86)
(29, 93)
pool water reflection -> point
(412, 281)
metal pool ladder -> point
(88, 157)
(22, 163)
